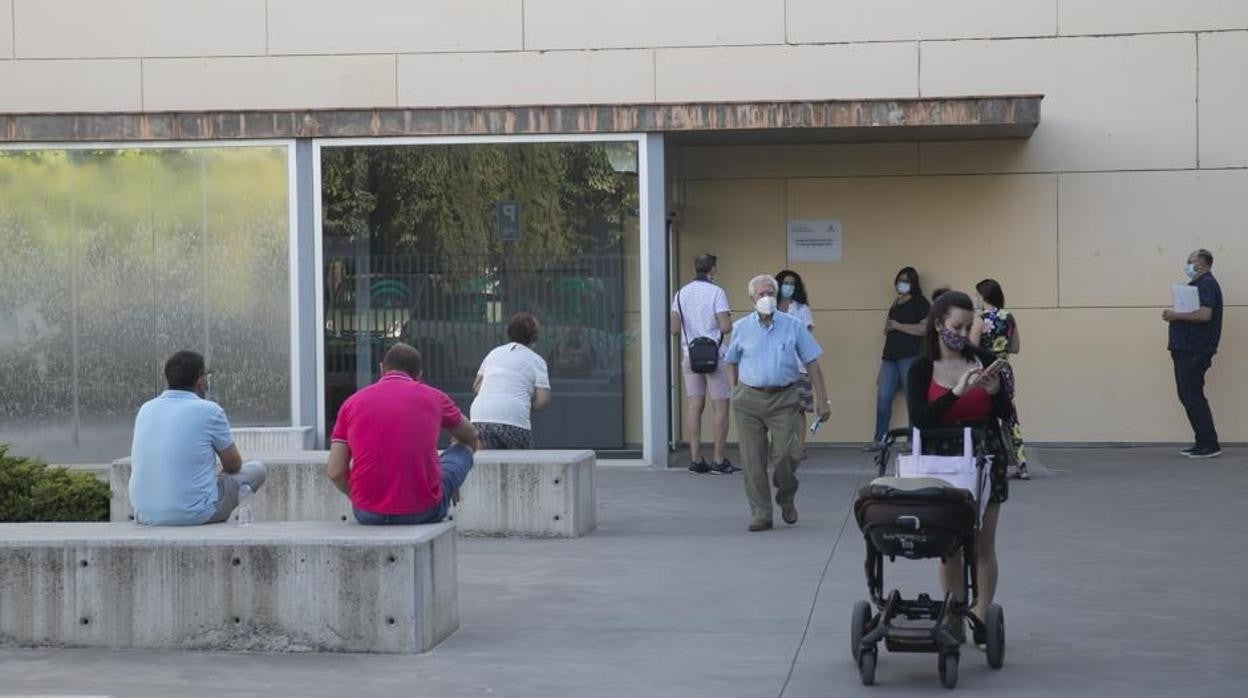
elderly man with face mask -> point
(763, 358)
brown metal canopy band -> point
(1008, 116)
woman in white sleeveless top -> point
(512, 383)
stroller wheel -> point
(949, 669)
(994, 622)
(866, 667)
(858, 627)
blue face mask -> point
(1190, 270)
(787, 290)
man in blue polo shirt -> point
(764, 354)
(1194, 340)
(178, 437)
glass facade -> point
(110, 260)
(439, 245)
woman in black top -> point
(903, 330)
(948, 386)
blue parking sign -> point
(507, 220)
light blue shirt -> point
(173, 458)
(767, 357)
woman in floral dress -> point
(996, 330)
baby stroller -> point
(920, 518)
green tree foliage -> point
(31, 491)
(440, 200)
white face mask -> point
(765, 305)
(1190, 270)
(903, 287)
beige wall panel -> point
(814, 21)
(562, 24)
(137, 28)
(739, 221)
(852, 343)
(1087, 375)
(311, 82)
(633, 395)
(954, 230)
(393, 26)
(1124, 236)
(787, 72)
(78, 86)
(807, 160)
(631, 244)
(1138, 16)
(1110, 103)
(6, 29)
(1224, 99)
(559, 77)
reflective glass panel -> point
(111, 260)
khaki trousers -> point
(759, 415)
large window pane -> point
(440, 245)
(110, 260)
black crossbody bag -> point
(703, 351)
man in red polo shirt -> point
(384, 454)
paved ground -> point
(1123, 574)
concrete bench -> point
(289, 587)
(253, 442)
(521, 493)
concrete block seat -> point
(518, 493)
(530, 493)
(295, 489)
(268, 587)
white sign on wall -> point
(815, 241)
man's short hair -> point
(402, 357)
(183, 369)
(522, 329)
(1205, 256)
(754, 282)
(704, 263)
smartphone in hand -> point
(993, 369)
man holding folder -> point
(1195, 329)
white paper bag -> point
(958, 471)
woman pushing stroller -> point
(956, 383)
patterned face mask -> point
(952, 339)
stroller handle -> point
(949, 432)
(978, 430)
